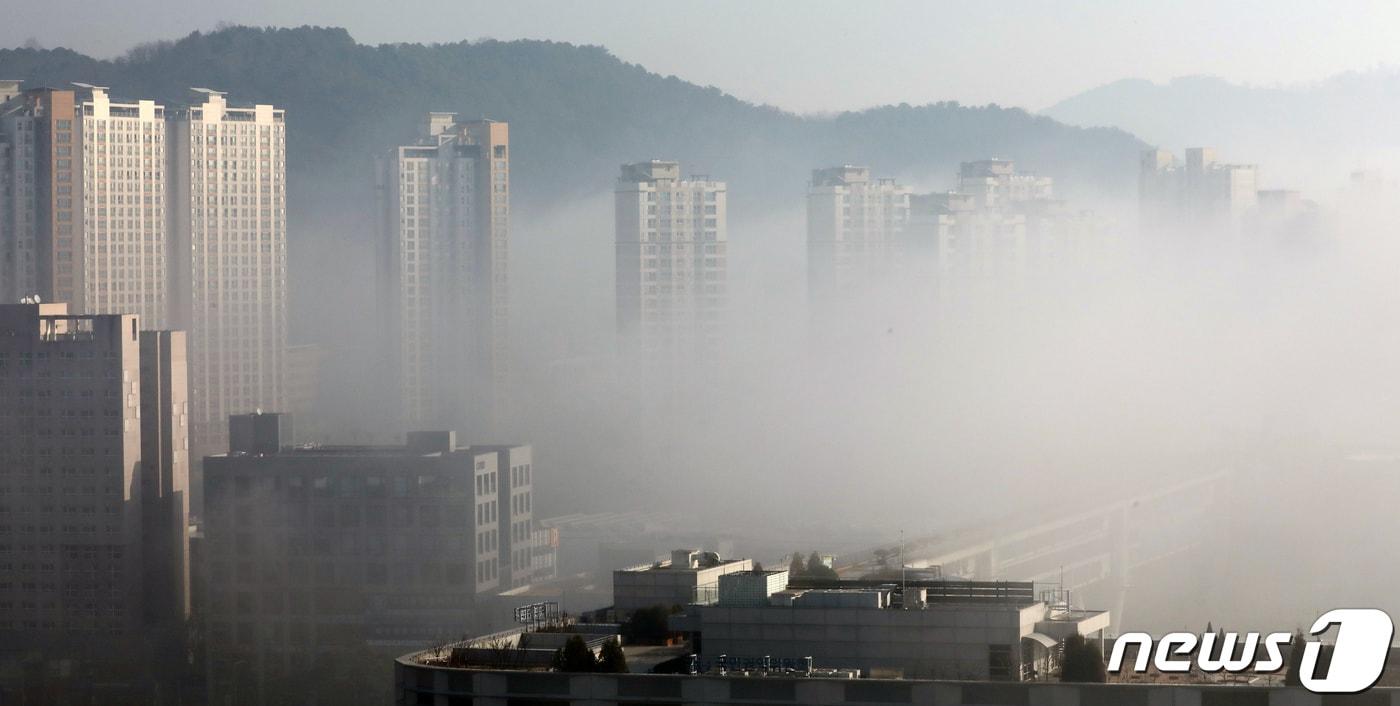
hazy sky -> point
(812, 56)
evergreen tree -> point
(612, 660)
(574, 656)
(1083, 661)
(796, 567)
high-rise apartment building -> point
(42, 244)
(957, 243)
(855, 231)
(999, 230)
(93, 466)
(122, 227)
(84, 213)
(444, 271)
(672, 262)
(1201, 195)
(317, 554)
(995, 183)
(228, 192)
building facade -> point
(42, 244)
(1200, 195)
(228, 167)
(123, 223)
(93, 545)
(855, 231)
(178, 217)
(318, 554)
(445, 272)
(85, 216)
(672, 260)
(690, 576)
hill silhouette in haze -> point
(576, 112)
(1305, 135)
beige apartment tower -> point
(444, 273)
(672, 261)
(228, 167)
(84, 219)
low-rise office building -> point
(690, 576)
(928, 629)
(318, 553)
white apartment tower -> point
(672, 262)
(995, 183)
(855, 229)
(230, 173)
(444, 269)
(125, 244)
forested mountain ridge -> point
(576, 112)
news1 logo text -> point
(1361, 645)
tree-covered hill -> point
(576, 112)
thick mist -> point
(1269, 358)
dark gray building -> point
(317, 554)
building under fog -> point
(175, 215)
(315, 554)
(228, 169)
(764, 636)
(445, 203)
(998, 230)
(957, 242)
(1201, 195)
(85, 219)
(94, 467)
(672, 261)
(855, 232)
(688, 576)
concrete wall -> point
(941, 642)
(417, 684)
(633, 590)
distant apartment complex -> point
(177, 216)
(94, 467)
(672, 260)
(1201, 195)
(444, 268)
(855, 231)
(998, 227)
(316, 553)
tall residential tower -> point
(84, 215)
(855, 229)
(672, 263)
(229, 194)
(444, 270)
